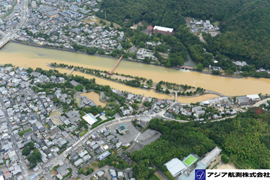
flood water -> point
(28, 56)
(95, 97)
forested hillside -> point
(246, 35)
(246, 138)
(167, 12)
(245, 24)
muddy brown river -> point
(29, 56)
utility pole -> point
(105, 15)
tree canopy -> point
(244, 27)
(244, 138)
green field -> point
(79, 88)
(154, 177)
(190, 160)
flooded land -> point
(29, 56)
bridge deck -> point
(4, 42)
(71, 71)
(115, 65)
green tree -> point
(224, 158)
(31, 145)
(26, 151)
(135, 106)
(147, 60)
(91, 50)
(216, 72)
(168, 64)
(233, 158)
(115, 52)
(200, 67)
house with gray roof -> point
(242, 100)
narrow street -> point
(15, 146)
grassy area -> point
(216, 23)
(79, 88)
(190, 160)
(97, 21)
(101, 122)
(242, 165)
(83, 133)
(53, 113)
(54, 172)
(78, 99)
(159, 176)
(21, 133)
(93, 165)
(154, 177)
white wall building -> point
(175, 167)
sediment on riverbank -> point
(111, 57)
(112, 80)
(29, 56)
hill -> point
(245, 139)
(245, 24)
(245, 35)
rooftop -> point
(90, 118)
(175, 166)
(160, 28)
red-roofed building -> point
(149, 29)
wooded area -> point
(244, 138)
(244, 26)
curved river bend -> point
(29, 56)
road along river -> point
(29, 56)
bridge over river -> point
(4, 41)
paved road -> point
(222, 119)
(261, 102)
(23, 20)
(62, 157)
(106, 169)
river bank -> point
(29, 56)
(113, 80)
(131, 60)
(98, 55)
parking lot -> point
(135, 146)
(129, 136)
(148, 136)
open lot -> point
(135, 147)
(97, 21)
(55, 118)
(227, 166)
(148, 136)
(129, 136)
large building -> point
(90, 118)
(211, 156)
(175, 167)
(253, 98)
(122, 129)
(163, 30)
(202, 164)
(104, 155)
(52, 14)
(242, 100)
(34, 4)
